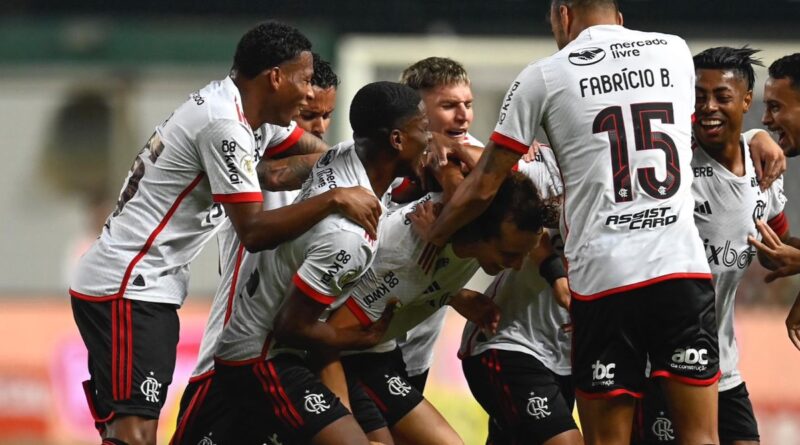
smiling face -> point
(449, 109)
(782, 113)
(294, 87)
(414, 140)
(721, 100)
(315, 116)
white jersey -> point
(323, 263)
(530, 320)
(616, 105)
(726, 207)
(417, 344)
(203, 155)
(236, 263)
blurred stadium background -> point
(82, 83)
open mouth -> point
(456, 134)
(711, 126)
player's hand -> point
(561, 292)
(784, 256)
(768, 159)
(793, 323)
(374, 333)
(533, 150)
(477, 308)
(422, 218)
(359, 205)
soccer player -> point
(521, 373)
(200, 396)
(728, 202)
(423, 279)
(633, 295)
(445, 88)
(200, 161)
(259, 359)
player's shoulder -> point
(219, 101)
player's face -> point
(507, 250)
(449, 109)
(721, 100)
(415, 139)
(315, 116)
(782, 114)
(294, 91)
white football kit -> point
(203, 155)
(616, 105)
(323, 263)
(726, 208)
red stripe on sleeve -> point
(239, 197)
(310, 292)
(358, 312)
(779, 224)
(508, 143)
(285, 144)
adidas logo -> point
(703, 209)
(138, 281)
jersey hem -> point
(238, 197)
(359, 313)
(310, 292)
(634, 286)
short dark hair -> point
(380, 107)
(433, 72)
(738, 60)
(587, 5)
(787, 67)
(516, 200)
(324, 77)
(268, 45)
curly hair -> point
(268, 45)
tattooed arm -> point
(288, 169)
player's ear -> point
(396, 139)
(273, 76)
(748, 100)
(620, 19)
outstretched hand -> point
(784, 256)
(422, 218)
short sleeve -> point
(521, 111)
(776, 201)
(333, 263)
(227, 151)
(280, 139)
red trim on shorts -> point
(310, 292)
(269, 391)
(197, 400)
(686, 380)
(129, 330)
(374, 396)
(282, 393)
(779, 224)
(239, 197)
(149, 243)
(403, 185)
(358, 312)
(114, 351)
(508, 143)
(90, 401)
(286, 144)
(201, 377)
(609, 394)
(229, 304)
(634, 286)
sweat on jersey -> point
(530, 319)
(726, 208)
(203, 155)
(616, 105)
(323, 264)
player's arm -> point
(285, 168)
(474, 194)
(551, 266)
(477, 308)
(776, 253)
(767, 155)
(260, 229)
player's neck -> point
(252, 107)
(380, 167)
(730, 155)
(587, 20)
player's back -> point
(618, 114)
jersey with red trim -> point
(204, 154)
(236, 263)
(323, 263)
(726, 208)
(417, 344)
(616, 105)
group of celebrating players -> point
(615, 267)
